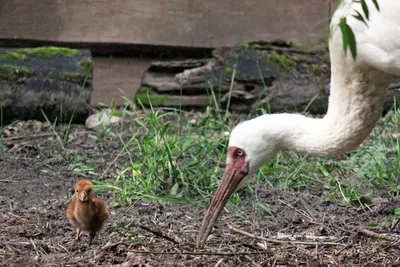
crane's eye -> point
(239, 152)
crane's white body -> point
(358, 89)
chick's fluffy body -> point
(87, 212)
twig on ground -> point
(333, 226)
(105, 247)
(158, 233)
(34, 246)
(387, 237)
(307, 208)
(299, 211)
(394, 225)
(280, 236)
(392, 244)
(251, 261)
(110, 245)
(281, 241)
(206, 253)
(66, 250)
(28, 137)
(219, 262)
(343, 249)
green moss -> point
(228, 70)
(6, 68)
(12, 56)
(74, 78)
(298, 46)
(285, 63)
(326, 57)
(260, 46)
(241, 48)
(147, 96)
(49, 51)
(14, 73)
(87, 65)
(316, 69)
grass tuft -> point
(171, 163)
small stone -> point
(103, 117)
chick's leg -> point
(78, 234)
(91, 237)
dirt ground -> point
(35, 188)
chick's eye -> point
(239, 152)
(76, 191)
(90, 190)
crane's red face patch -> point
(237, 160)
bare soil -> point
(35, 189)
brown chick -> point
(86, 212)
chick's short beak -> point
(231, 179)
(83, 196)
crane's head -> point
(250, 146)
(83, 190)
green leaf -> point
(365, 9)
(172, 200)
(174, 189)
(345, 37)
(376, 4)
(360, 17)
(366, 200)
(348, 38)
(352, 42)
(397, 211)
(266, 210)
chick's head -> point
(83, 190)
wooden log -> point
(275, 77)
(55, 80)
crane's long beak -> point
(230, 181)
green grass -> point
(171, 160)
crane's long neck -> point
(355, 105)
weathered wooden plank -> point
(113, 74)
(187, 23)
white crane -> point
(358, 89)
